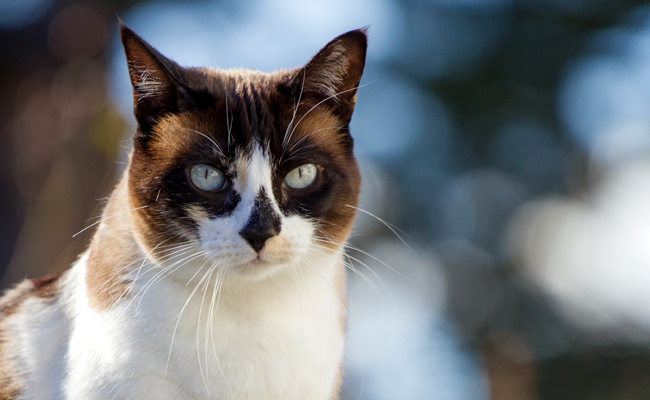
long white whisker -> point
(151, 281)
(311, 133)
(217, 147)
(213, 308)
(166, 272)
(309, 146)
(228, 121)
(108, 216)
(171, 252)
(147, 257)
(389, 226)
(351, 247)
(285, 140)
(204, 376)
(356, 271)
(178, 320)
(323, 101)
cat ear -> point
(157, 81)
(333, 74)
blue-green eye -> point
(207, 178)
(301, 177)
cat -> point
(216, 271)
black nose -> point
(257, 236)
(264, 223)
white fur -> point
(272, 331)
(35, 335)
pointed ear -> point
(333, 74)
(157, 82)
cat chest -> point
(283, 348)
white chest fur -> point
(281, 338)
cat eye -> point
(301, 177)
(207, 178)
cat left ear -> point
(333, 74)
(157, 82)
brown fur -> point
(112, 249)
(44, 288)
(9, 383)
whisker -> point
(311, 133)
(148, 284)
(205, 376)
(228, 121)
(178, 320)
(171, 252)
(351, 247)
(213, 308)
(323, 101)
(168, 271)
(148, 256)
(388, 225)
(105, 217)
(297, 152)
(285, 140)
(216, 146)
(356, 271)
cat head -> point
(256, 169)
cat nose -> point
(256, 236)
(263, 223)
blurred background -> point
(505, 143)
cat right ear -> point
(156, 80)
(332, 76)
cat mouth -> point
(258, 260)
(267, 259)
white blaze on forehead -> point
(254, 172)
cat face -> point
(256, 169)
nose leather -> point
(263, 223)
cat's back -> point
(33, 330)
